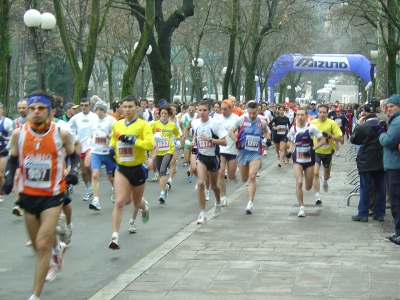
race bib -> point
(303, 154)
(202, 144)
(252, 143)
(38, 173)
(101, 141)
(339, 122)
(327, 144)
(281, 129)
(126, 152)
(163, 144)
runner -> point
(323, 155)
(281, 125)
(70, 111)
(229, 152)
(190, 115)
(100, 133)
(130, 139)
(303, 150)
(6, 127)
(41, 182)
(177, 142)
(251, 130)
(208, 134)
(342, 121)
(81, 123)
(165, 147)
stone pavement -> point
(272, 254)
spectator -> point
(390, 140)
(70, 111)
(59, 110)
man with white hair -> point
(94, 99)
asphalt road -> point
(89, 263)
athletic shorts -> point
(194, 151)
(99, 159)
(227, 156)
(280, 138)
(324, 160)
(83, 154)
(3, 151)
(245, 158)
(212, 163)
(136, 175)
(35, 205)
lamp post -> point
(143, 67)
(198, 63)
(41, 24)
(289, 88)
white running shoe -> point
(155, 178)
(337, 153)
(59, 258)
(89, 195)
(51, 273)
(61, 227)
(95, 204)
(265, 153)
(258, 174)
(163, 197)
(202, 219)
(302, 212)
(325, 186)
(1, 197)
(132, 228)
(18, 211)
(167, 171)
(68, 234)
(217, 211)
(247, 182)
(224, 201)
(112, 195)
(249, 208)
(207, 194)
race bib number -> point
(303, 154)
(327, 144)
(101, 141)
(38, 173)
(339, 122)
(281, 129)
(163, 144)
(252, 143)
(202, 144)
(126, 152)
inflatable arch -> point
(317, 63)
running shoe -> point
(247, 182)
(51, 273)
(70, 189)
(217, 211)
(18, 211)
(202, 219)
(265, 153)
(146, 213)
(1, 197)
(68, 234)
(89, 195)
(167, 171)
(95, 204)
(287, 160)
(325, 186)
(337, 153)
(196, 186)
(249, 208)
(132, 227)
(393, 235)
(155, 178)
(190, 179)
(258, 174)
(224, 201)
(114, 244)
(61, 227)
(29, 244)
(169, 184)
(162, 198)
(207, 194)
(318, 201)
(302, 212)
(186, 164)
(279, 163)
(112, 195)
(59, 258)
(182, 155)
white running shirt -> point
(101, 128)
(209, 128)
(82, 125)
(228, 123)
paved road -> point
(90, 265)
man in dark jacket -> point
(370, 165)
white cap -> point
(313, 102)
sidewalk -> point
(272, 254)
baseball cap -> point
(338, 109)
(313, 102)
(70, 105)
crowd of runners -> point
(50, 145)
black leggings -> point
(162, 163)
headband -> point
(40, 98)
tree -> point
(5, 55)
(85, 54)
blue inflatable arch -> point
(317, 63)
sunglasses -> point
(85, 105)
(40, 108)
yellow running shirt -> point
(330, 127)
(165, 143)
(126, 154)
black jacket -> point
(370, 154)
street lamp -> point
(41, 24)
(198, 63)
(289, 88)
(143, 67)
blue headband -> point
(40, 98)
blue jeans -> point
(394, 191)
(366, 178)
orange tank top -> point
(41, 157)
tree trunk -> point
(381, 64)
(5, 56)
(22, 64)
(391, 50)
(109, 66)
